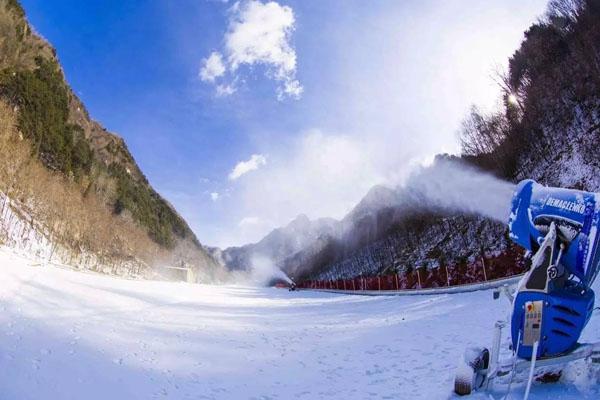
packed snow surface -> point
(72, 335)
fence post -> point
(447, 275)
(379, 282)
(353, 284)
(3, 203)
(344, 284)
(52, 249)
(483, 264)
(397, 285)
(418, 278)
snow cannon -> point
(560, 227)
(553, 301)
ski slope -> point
(71, 335)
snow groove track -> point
(70, 335)
(472, 287)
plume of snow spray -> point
(456, 186)
(263, 270)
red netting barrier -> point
(504, 265)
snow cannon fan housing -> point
(575, 214)
(554, 300)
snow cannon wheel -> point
(472, 370)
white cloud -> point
(290, 88)
(214, 196)
(212, 67)
(258, 34)
(225, 90)
(246, 221)
(248, 226)
(243, 167)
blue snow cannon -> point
(554, 300)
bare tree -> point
(482, 134)
(569, 10)
(76, 222)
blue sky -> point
(373, 89)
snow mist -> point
(263, 270)
(456, 186)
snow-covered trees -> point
(551, 99)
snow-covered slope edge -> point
(73, 335)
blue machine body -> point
(565, 314)
(561, 227)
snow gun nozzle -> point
(574, 214)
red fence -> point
(485, 268)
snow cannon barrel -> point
(574, 212)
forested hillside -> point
(69, 172)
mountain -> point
(73, 176)
(281, 243)
(389, 229)
(547, 129)
(378, 197)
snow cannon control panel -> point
(533, 322)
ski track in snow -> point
(73, 335)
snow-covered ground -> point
(73, 335)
